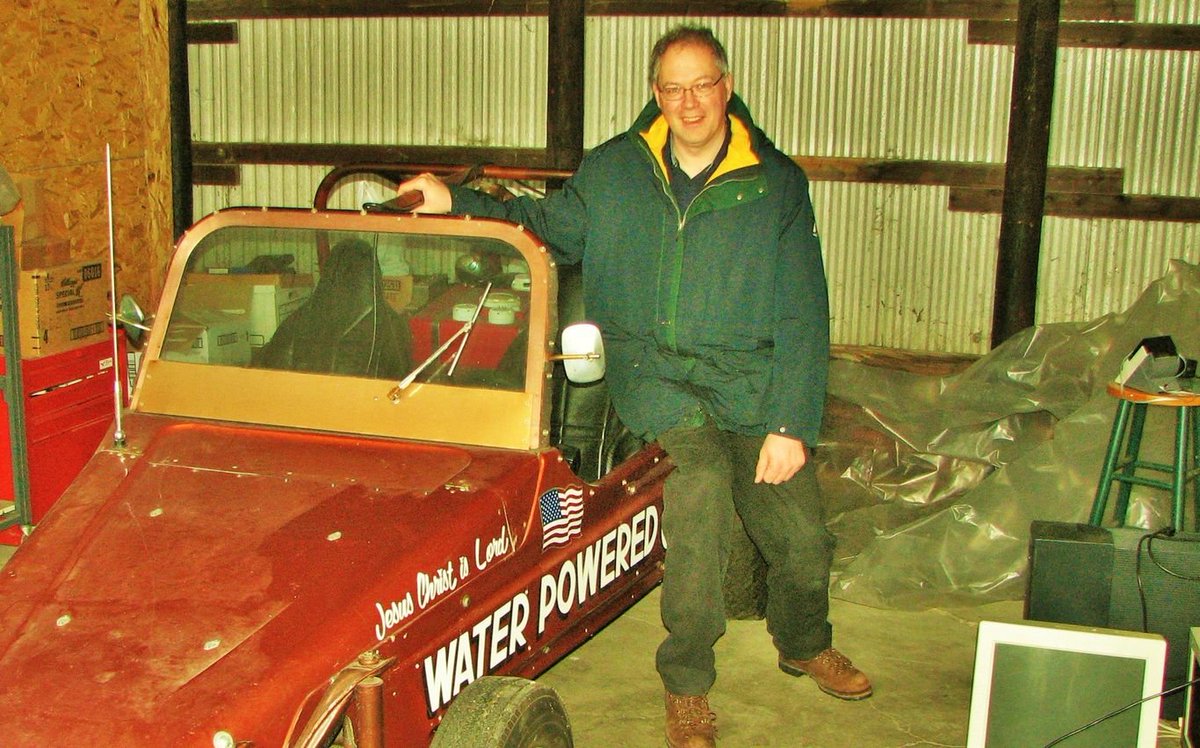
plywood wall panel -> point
(75, 77)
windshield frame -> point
(353, 405)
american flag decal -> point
(562, 515)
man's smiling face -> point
(697, 122)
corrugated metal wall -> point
(904, 271)
(411, 81)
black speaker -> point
(1070, 574)
(1169, 574)
(1097, 576)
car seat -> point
(583, 423)
(346, 326)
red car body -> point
(253, 541)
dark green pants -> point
(713, 479)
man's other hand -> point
(437, 194)
(780, 458)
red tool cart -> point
(69, 405)
(496, 328)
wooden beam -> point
(974, 187)
(928, 363)
(212, 32)
(1025, 169)
(564, 90)
(819, 168)
(1103, 35)
(1099, 10)
(953, 173)
(180, 117)
(224, 175)
(1082, 10)
(331, 154)
(1075, 205)
(203, 10)
(217, 164)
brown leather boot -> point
(690, 722)
(833, 673)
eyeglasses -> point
(701, 90)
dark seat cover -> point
(583, 423)
(346, 326)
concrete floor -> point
(920, 664)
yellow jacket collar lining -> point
(740, 154)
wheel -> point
(745, 587)
(504, 712)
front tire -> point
(505, 712)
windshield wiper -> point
(466, 329)
(463, 332)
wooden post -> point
(181, 117)
(1025, 170)
(564, 84)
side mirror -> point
(132, 320)
(582, 353)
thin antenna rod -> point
(118, 401)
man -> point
(702, 266)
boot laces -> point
(835, 661)
(694, 711)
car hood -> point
(211, 577)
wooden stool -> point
(1128, 431)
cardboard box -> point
(207, 337)
(398, 290)
(40, 238)
(62, 307)
(45, 252)
(133, 364)
(34, 205)
(285, 280)
(270, 306)
(263, 301)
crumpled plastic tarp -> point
(932, 482)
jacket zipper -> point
(665, 185)
(677, 259)
(705, 188)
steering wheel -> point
(410, 201)
(406, 203)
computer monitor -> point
(1035, 682)
(1191, 709)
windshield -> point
(317, 320)
(355, 303)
